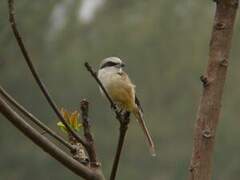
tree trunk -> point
(213, 84)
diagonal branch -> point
(123, 119)
(94, 75)
(19, 107)
(35, 74)
(46, 145)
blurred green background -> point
(165, 46)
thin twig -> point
(26, 113)
(35, 74)
(123, 119)
(94, 75)
(122, 133)
(84, 105)
(47, 145)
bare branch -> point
(94, 75)
(213, 85)
(91, 149)
(122, 133)
(46, 145)
(34, 119)
(34, 72)
(123, 119)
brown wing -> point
(125, 77)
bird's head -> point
(112, 62)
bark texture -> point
(213, 83)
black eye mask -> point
(109, 64)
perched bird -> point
(122, 91)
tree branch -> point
(34, 119)
(122, 133)
(84, 105)
(34, 72)
(213, 85)
(94, 75)
(46, 145)
(123, 119)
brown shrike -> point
(122, 91)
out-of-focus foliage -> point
(165, 46)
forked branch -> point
(48, 146)
(34, 135)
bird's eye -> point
(123, 65)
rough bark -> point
(213, 83)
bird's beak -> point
(122, 65)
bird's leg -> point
(119, 114)
(118, 111)
(121, 111)
(126, 117)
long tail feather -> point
(139, 116)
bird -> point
(122, 91)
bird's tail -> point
(139, 116)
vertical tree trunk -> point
(213, 84)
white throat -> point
(106, 75)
